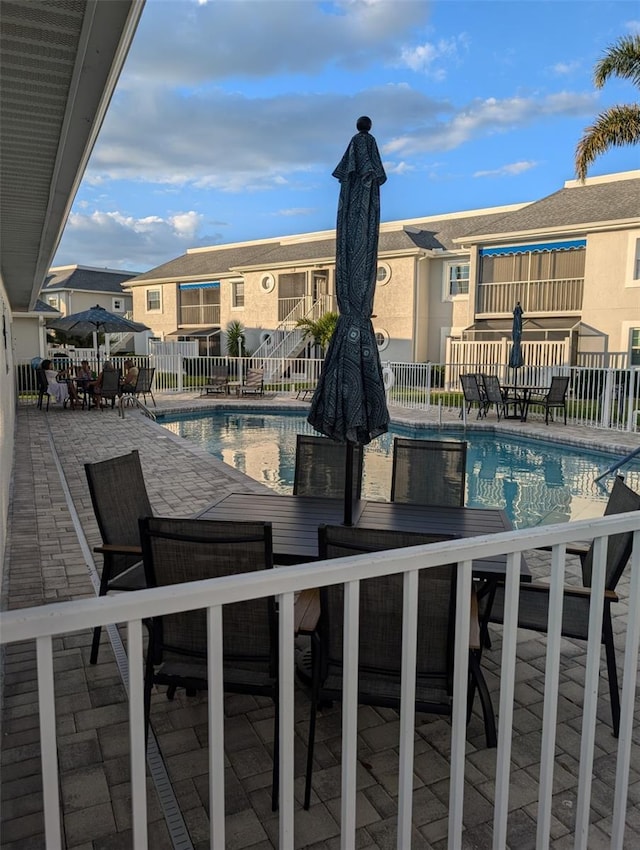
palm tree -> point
(235, 340)
(619, 125)
(319, 330)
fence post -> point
(179, 361)
(607, 396)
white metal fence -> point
(598, 397)
(44, 623)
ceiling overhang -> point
(59, 64)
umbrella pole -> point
(348, 486)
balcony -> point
(89, 751)
(554, 297)
(207, 314)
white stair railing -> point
(287, 339)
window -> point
(117, 305)
(382, 339)
(153, 300)
(383, 274)
(237, 293)
(53, 301)
(457, 279)
(636, 261)
(267, 283)
(635, 346)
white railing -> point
(46, 622)
(287, 339)
(199, 314)
(536, 296)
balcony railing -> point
(535, 296)
(208, 314)
(46, 622)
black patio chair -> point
(43, 388)
(494, 393)
(145, 383)
(473, 393)
(119, 498)
(184, 550)
(218, 379)
(554, 399)
(429, 472)
(533, 611)
(321, 465)
(380, 635)
(109, 389)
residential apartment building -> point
(572, 259)
(72, 289)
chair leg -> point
(480, 683)
(95, 645)
(612, 672)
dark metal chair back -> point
(621, 500)
(558, 390)
(473, 393)
(145, 382)
(321, 465)
(109, 388)
(119, 498)
(43, 387)
(429, 472)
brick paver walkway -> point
(46, 561)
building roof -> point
(86, 279)
(576, 207)
(226, 260)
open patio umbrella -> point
(349, 404)
(516, 360)
(95, 320)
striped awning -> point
(538, 248)
(212, 284)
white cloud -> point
(564, 68)
(633, 27)
(510, 170)
(485, 117)
(295, 211)
(115, 240)
(255, 38)
(423, 57)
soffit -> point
(59, 63)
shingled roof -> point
(86, 279)
(576, 206)
(217, 261)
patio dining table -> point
(295, 521)
(523, 393)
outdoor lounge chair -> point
(380, 634)
(184, 550)
(321, 466)
(119, 499)
(218, 380)
(554, 399)
(533, 612)
(253, 382)
(429, 472)
(473, 393)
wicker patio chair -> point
(473, 393)
(321, 465)
(554, 399)
(533, 612)
(380, 634)
(184, 550)
(119, 499)
(429, 472)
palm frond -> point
(621, 59)
(616, 127)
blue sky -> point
(231, 115)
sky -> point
(231, 115)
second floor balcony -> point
(200, 314)
(560, 296)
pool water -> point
(535, 482)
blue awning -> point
(538, 248)
(213, 284)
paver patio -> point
(46, 561)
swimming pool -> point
(537, 483)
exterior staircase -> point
(288, 340)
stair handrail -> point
(288, 327)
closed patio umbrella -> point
(349, 404)
(516, 360)
(95, 320)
